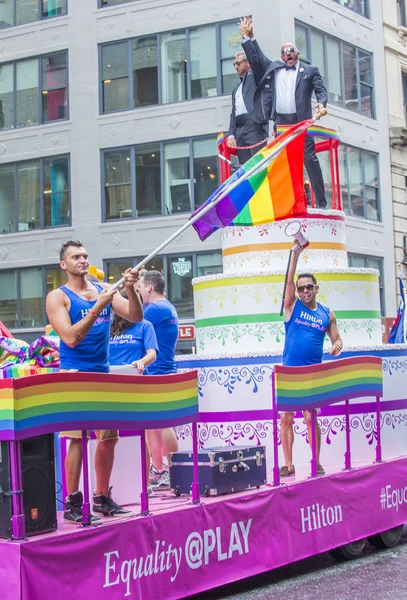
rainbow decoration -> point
(275, 191)
(219, 138)
(64, 401)
(24, 370)
(315, 131)
(301, 388)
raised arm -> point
(58, 316)
(334, 336)
(131, 309)
(290, 296)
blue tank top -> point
(91, 354)
(304, 335)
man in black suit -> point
(243, 131)
(284, 95)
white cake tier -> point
(237, 312)
(266, 247)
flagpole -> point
(215, 201)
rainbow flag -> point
(40, 404)
(274, 191)
(304, 388)
(314, 131)
(219, 139)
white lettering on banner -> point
(218, 543)
(317, 516)
(393, 498)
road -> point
(376, 574)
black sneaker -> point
(105, 505)
(73, 510)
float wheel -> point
(348, 551)
(388, 538)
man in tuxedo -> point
(243, 131)
(284, 95)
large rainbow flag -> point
(274, 191)
(304, 388)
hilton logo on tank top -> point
(103, 316)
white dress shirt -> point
(285, 90)
(240, 106)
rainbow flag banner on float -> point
(40, 404)
(268, 187)
(314, 386)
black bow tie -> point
(288, 68)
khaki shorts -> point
(101, 434)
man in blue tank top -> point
(163, 316)
(79, 313)
(306, 324)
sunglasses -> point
(237, 63)
(305, 288)
(288, 50)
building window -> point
(178, 271)
(23, 293)
(18, 12)
(169, 67)
(22, 84)
(359, 175)
(404, 85)
(347, 71)
(401, 13)
(35, 194)
(359, 6)
(103, 3)
(369, 262)
(159, 179)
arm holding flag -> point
(398, 332)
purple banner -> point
(215, 543)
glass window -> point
(180, 274)
(359, 6)
(301, 41)
(203, 62)
(31, 298)
(26, 11)
(53, 8)
(148, 181)
(27, 92)
(56, 192)
(177, 178)
(324, 162)
(54, 277)
(112, 2)
(206, 175)
(6, 14)
(115, 270)
(54, 88)
(7, 199)
(28, 185)
(366, 83)
(343, 177)
(174, 67)
(334, 61)
(317, 52)
(401, 13)
(230, 40)
(404, 84)
(209, 264)
(115, 79)
(349, 73)
(8, 298)
(371, 185)
(356, 181)
(145, 71)
(6, 96)
(118, 184)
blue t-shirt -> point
(133, 344)
(91, 354)
(304, 335)
(163, 317)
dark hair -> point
(156, 279)
(64, 247)
(119, 324)
(310, 275)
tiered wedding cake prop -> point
(240, 336)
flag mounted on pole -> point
(398, 332)
(268, 187)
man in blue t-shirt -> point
(163, 316)
(306, 324)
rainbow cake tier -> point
(238, 312)
(266, 247)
